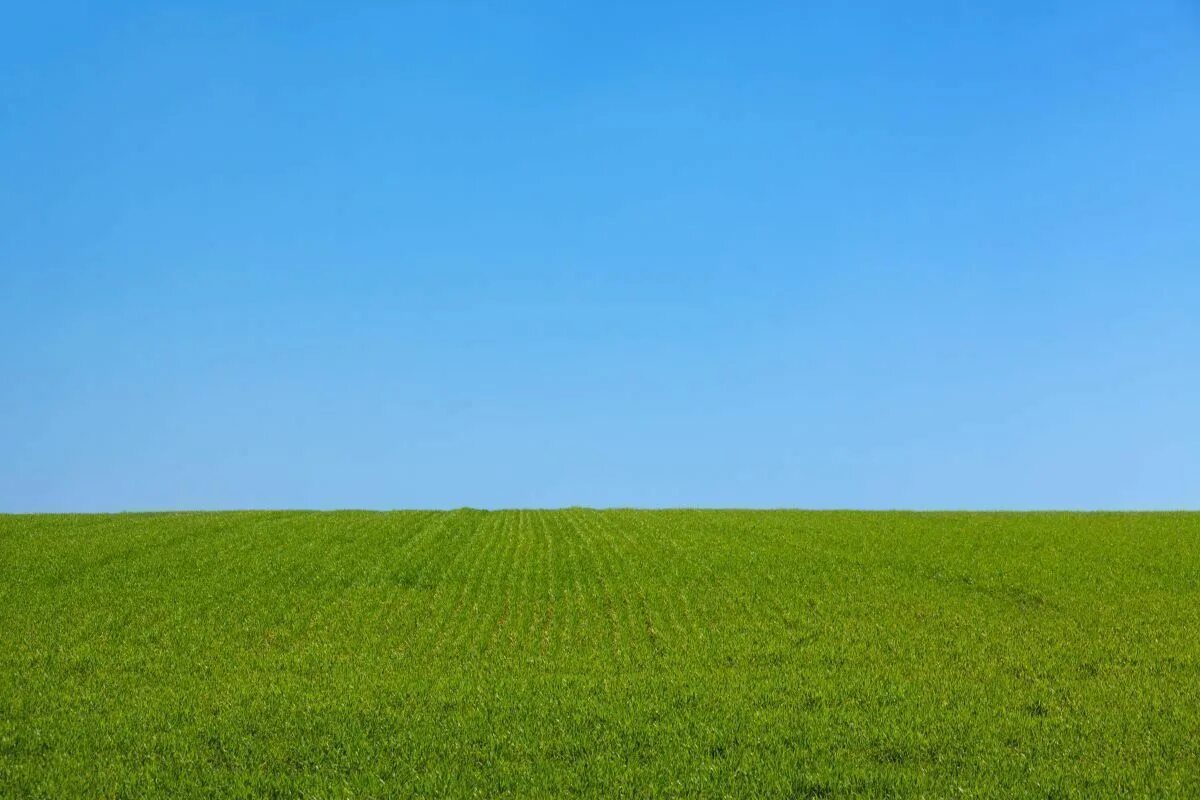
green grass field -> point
(602, 654)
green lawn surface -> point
(580, 653)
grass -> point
(602, 654)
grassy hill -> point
(600, 653)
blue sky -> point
(900, 255)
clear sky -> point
(916, 255)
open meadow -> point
(600, 654)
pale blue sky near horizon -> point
(894, 255)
